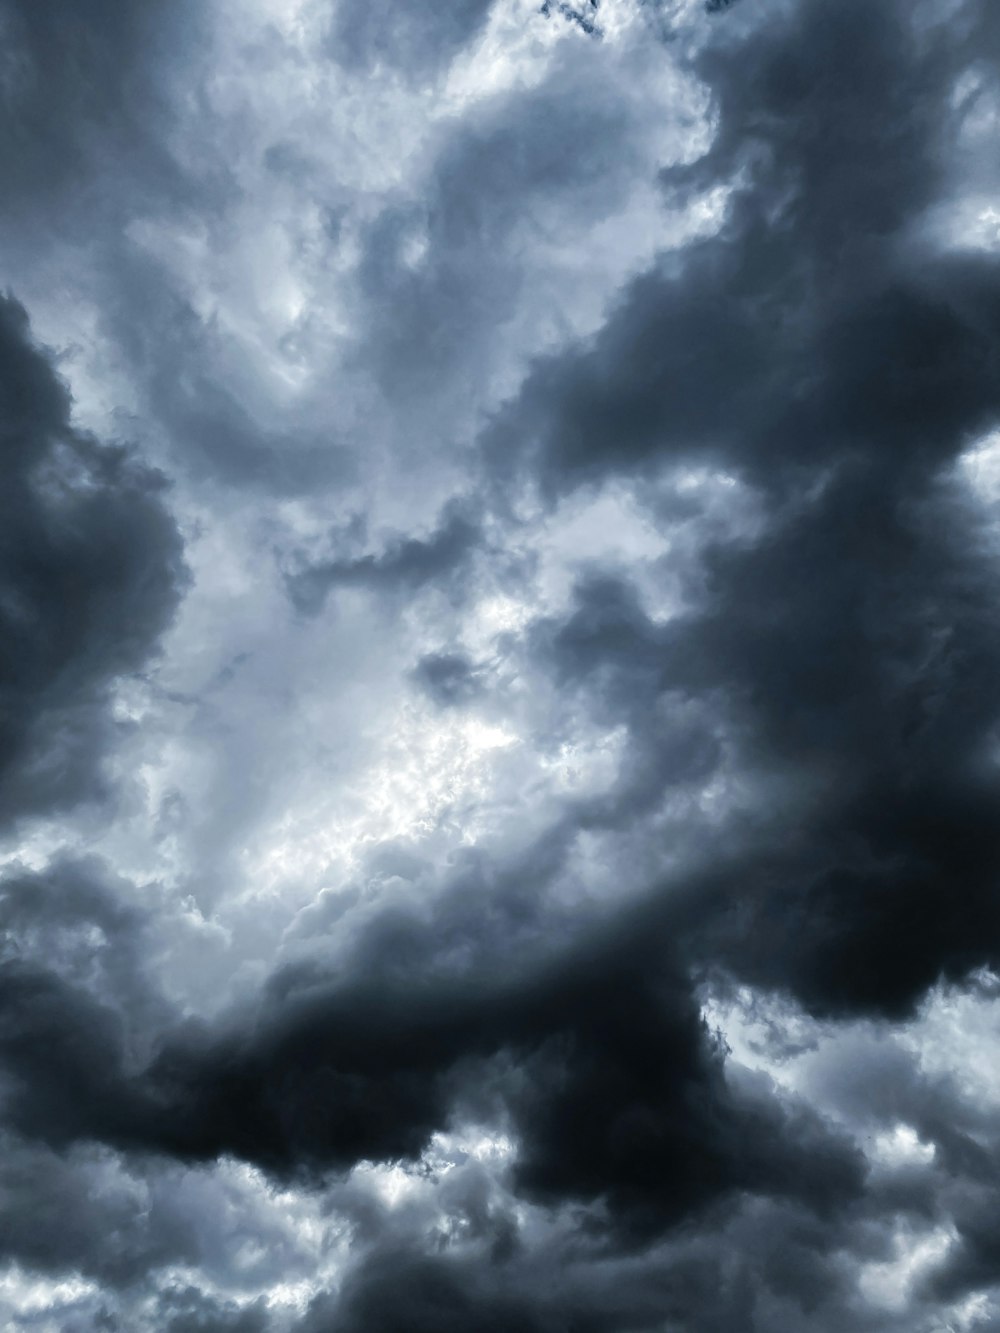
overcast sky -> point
(500, 666)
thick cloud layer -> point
(498, 733)
(821, 353)
(90, 571)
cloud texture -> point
(499, 736)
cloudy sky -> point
(500, 666)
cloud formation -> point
(91, 572)
(498, 740)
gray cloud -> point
(84, 87)
(90, 568)
(589, 923)
(415, 44)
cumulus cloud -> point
(498, 751)
(91, 573)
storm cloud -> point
(498, 709)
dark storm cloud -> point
(419, 1292)
(756, 1266)
(58, 1214)
(82, 83)
(77, 1006)
(834, 362)
(189, 1310)
(416, 42)
(443, 1294)
(808, 329)
(595, 1053)
(90, 573)
(609, 652)
(820, 352)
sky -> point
(499, 658)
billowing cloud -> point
(498, 741)
(90, 571)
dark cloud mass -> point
(819, 352)
(90, 571)
(81, 90)
(526, 858)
